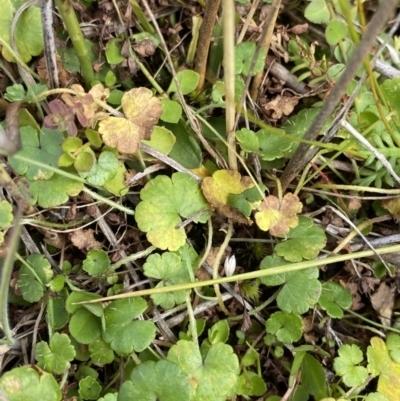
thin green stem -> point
(192, 319)
(70, 21)
(256, 274)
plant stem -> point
(205, 34)
(228, 18)
(68, 17)
(254, 274)
(301, 158)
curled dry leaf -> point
(142, 111)
(281, 106)
(84, 239)
(278, 217)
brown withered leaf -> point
(142, 111)
(281, 106)
(84, 239)
(393, 205)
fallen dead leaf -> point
(281, 106)
(383, 302)
(84, 239)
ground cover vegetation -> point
(199, 200)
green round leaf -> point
(172, 111)
(317, 12)
(335, 32)
(84, 161)
(188, 81)
(334, 299)
(244, 53)
(89, 388)
(96, 262)
(85, 326)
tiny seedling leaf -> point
(172, 111)
(56, 356)
(100, 352)
(278, 217)
(250, 384)
(142, 111)
(214, 378)
(164, 201)
(162, 380)
(287, 327)
(301, 289)
(6, 214)
(162, 139)
(345, 365)
(334, 299)
(393, 345)
(32, 279)
(303, 242)
(29, 384)
(45, 148)
(96, 262)
(89, 388)
(219, 332)
(124, 334)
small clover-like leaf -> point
(55, 191)
(124, 334)
(100, 352)
(278, 217)
(96, 262)
(56, 356)
(223, 183)
(286, 326)
(169, 268)
(317, 12)
(33, 276)
(29, 384)
(301, 289)
(244, 53)
(345, 365)
(89, 388)
(142, 111)
(214, 378)
(45, 148)
(264, 143)
(304, 241)
(334, 299)
(164, 200)
(103, 170)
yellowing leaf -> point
(217, 189)
(393, 205)
(224, 182)
(380, 363)
(120, 133)
(278, 217)
(142, 112)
